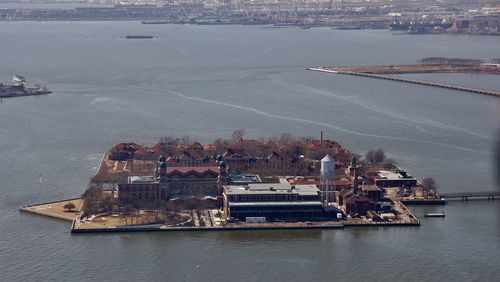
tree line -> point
(450, 61)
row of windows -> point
(153, 188)
(278, 215)
(275, 209)
(262, 198)
(143, 196)
(193, 176)
(137, 187)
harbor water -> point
(206, 82)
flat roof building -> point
(272, 201)
(397, 178)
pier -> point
(465, 196)
(413, 81)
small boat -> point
(139, 37)
(434, 214)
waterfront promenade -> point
(248, 227)
(55, 210)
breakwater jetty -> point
(413, 81)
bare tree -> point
(379, 156)
(92, 198)
(167, 144)
(305, 139)
(69, 207)
(375, 156)
(158, 208)
(108, 203)
(128, 213)
(429, 185)
(370, 156)
(186, 140)
(171, 209)
(238, 135)
(343, 156)
(169, 140)
(286, 138)
(219, 146)
(274, 139)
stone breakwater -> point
(409, 80)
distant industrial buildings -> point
(413, 17)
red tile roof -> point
(197, 145)
(303, 181)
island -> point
(242, 184)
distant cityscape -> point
(414, 17)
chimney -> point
(321, 138)
(356, 183)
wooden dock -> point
(413, 81)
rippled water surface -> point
(207, 81)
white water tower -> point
(327, 180)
